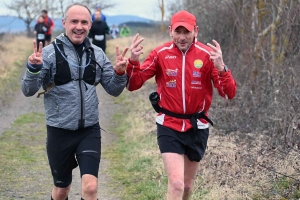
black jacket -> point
(41, 28)
(98, 33)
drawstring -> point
(69, 61)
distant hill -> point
(123, 19)
(13, 24)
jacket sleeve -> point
(52, 24)
(112, 83)
(139, 74)
(225, 83)
(32, 82)
(107, 29)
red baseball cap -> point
(183, 18)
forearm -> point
(227, 85)
(114, 84)
(30, 83)
(135, 78)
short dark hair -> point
(76, 4)
(44, 11)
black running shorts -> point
(48, 38)
(67, 149)
(189, 143)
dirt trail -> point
(21, 105)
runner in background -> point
(125, 31)
(98, 31)
(40, 29)
(50, 25)
(114, 31)
(99, 8)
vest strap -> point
(47, 89)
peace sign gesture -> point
(216, 55)
(121, 61)
(136, 48)
(36, 57)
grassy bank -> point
(14, 53)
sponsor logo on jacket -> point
(196, 87)
(196, 82)
(172, 72)
(196, 74)
(171, 84)
(170, 57)
(198, 63)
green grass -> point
(136, 160)
(23, 159)
(136, 172)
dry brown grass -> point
(14, 50)
(240, 166)
(13, 55)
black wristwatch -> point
(224, 70)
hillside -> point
(13, 24)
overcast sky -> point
(142, 8)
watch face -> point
(225, 68)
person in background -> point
(69, 69)
(125, 31)
(50, 25)
(40, 29)
(114, 31)
(99, 8)
(98, 31)
(185, 71)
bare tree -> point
(260, 40)
(161, 6)
(27, 10)
(104, 4)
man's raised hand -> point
(121, 61)
(36, 57)
(135, 48)
(216, 55)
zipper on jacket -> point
(81, 120)
(183, 89)
(183, 84)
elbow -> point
(132, 88)
(27, 92)
(231, 95)
(116, 93)
(231, 92)
(129, 89)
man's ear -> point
(170, 31)
(63, 22)
(196, 31)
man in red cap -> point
(185, 71)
